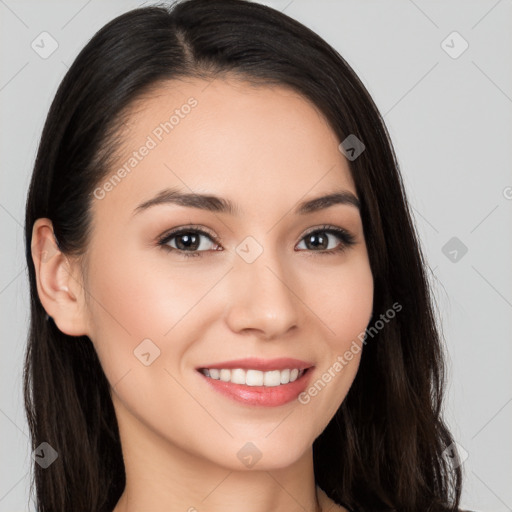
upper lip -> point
(254, 363)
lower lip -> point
(265, 396)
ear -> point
(59, 283)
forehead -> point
(228, 137)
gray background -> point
(450, 121)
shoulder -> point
(328, 505)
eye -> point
(317, 239)
(188, 241)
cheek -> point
(135, 300)
(344, 306)
(343, 300)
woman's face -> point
(256, 284)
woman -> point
(230, 307)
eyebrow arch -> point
(218, 204)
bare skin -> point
(266, 149)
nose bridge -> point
(262, 292)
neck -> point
(161, 476)
(216, 489)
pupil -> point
(189, 242)
(322, 243)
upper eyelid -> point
(182, 229)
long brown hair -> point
(383, 449)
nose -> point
(262, 298)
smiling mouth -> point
(252, 378)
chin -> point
(263, 454)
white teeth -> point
(254, 377)
(238, 376)
(272, 378)
(225, 375)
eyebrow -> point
(217, 204)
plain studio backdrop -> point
(441, 74)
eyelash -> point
(347, 239)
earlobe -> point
(58, 285)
